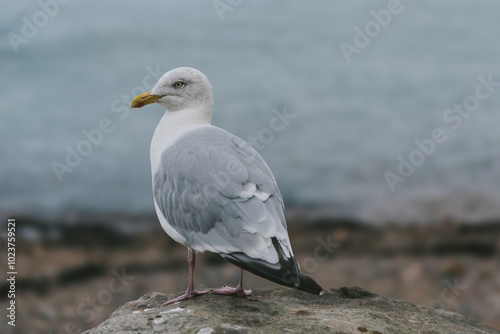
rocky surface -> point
(280, 310)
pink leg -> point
(239, 291)
(190, 292)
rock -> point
(280, 310)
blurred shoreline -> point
(65, 263)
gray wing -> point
(218, 193)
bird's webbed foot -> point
(227, 290)
(187, 295)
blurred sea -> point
(352, 120)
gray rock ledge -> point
(280, 310)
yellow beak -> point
(141, 100)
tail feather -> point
(286, 272)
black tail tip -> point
(309, 285)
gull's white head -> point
(178, 89)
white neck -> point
(172, 126)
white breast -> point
(172, 126)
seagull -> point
(213, 192)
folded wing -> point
(217, 192)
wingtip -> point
(286, 272)
(309, 285)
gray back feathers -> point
(217, 192)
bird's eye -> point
(179, 84)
